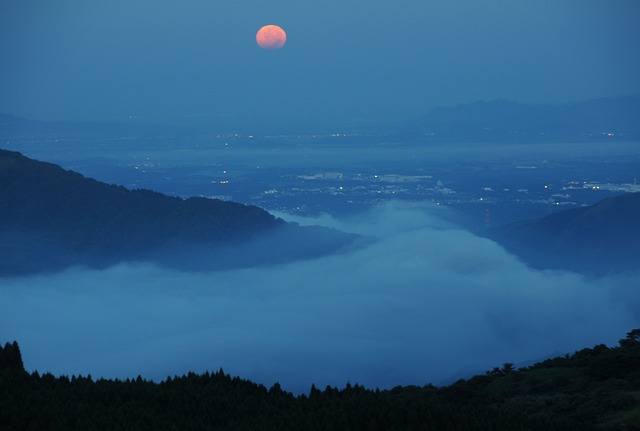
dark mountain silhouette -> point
(51, 218)
(598, 239)
(593, 389)
(498, 120)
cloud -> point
(423, 302)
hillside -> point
(593, 389)
(51, 219)
(598, 239)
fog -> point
(424, 302)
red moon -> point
(271, 37)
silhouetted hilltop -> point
(51, 218)
(499, 120)
(597, 239)
(595, 388)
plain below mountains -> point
(51, 219)
(600, 239)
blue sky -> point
(344, 61)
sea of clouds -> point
(423, 302)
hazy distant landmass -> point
(51, 218)
(612, 118)
(601, 238)
(15, 126)
(505, 120)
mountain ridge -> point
(51, 218)
(606, 118)
(597, 239)
(616, 118)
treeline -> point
(596, 388)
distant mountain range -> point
(500, 120)
(614, 118)
(51, 218)
(599, 239)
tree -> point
(633, 339)
(508, 368)
(11, 358)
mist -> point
(423, 302)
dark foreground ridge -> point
(51, 219)
(599, 239)
(593, 389)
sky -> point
(424, 302)
(359, 61)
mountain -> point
(607, 119)
(51, 218)
(498, 120)
(594, 389)
(598, 239)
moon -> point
(271, 37)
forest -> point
(595, 388)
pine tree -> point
(11, 358)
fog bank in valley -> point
(423, 302)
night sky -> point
(177, 61)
